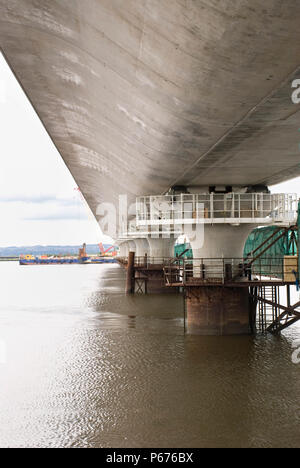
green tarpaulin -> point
(272, 260)
(180, 248)
(282, 247)
(298, 237)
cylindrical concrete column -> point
(161, 248)
(124, 249)
(221, 240)
(158, 250)
(131, 245)
(142, 247)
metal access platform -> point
(264, 279)
(227, 272)
(261, 273)
(230, 208)
(145, 271)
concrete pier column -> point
(131, 245)
(142, 247)
(221, 240)
(124, 249)
(161, 248)
(158, 249)
(215, 309)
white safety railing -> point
(136, 231)
(231, 208)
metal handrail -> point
(225, 269)
(213, 207)
(184, 270)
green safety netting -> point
(298, 237)
(282, 247)
(180, 248)
(272, 260)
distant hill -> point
(49, 250)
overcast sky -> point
(39, 199)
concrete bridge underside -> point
(140, 95)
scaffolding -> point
(274, 317)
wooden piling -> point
(288, 295)
(130, 274)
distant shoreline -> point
(37, 250)
(9, 259)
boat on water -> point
(43, 260)
(37, 260)
(103, 260)
(81, 259)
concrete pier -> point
(161, 248)
(222, 240)
(217, 225)
(142, 247)
(215, 310)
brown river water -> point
(83, 365)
